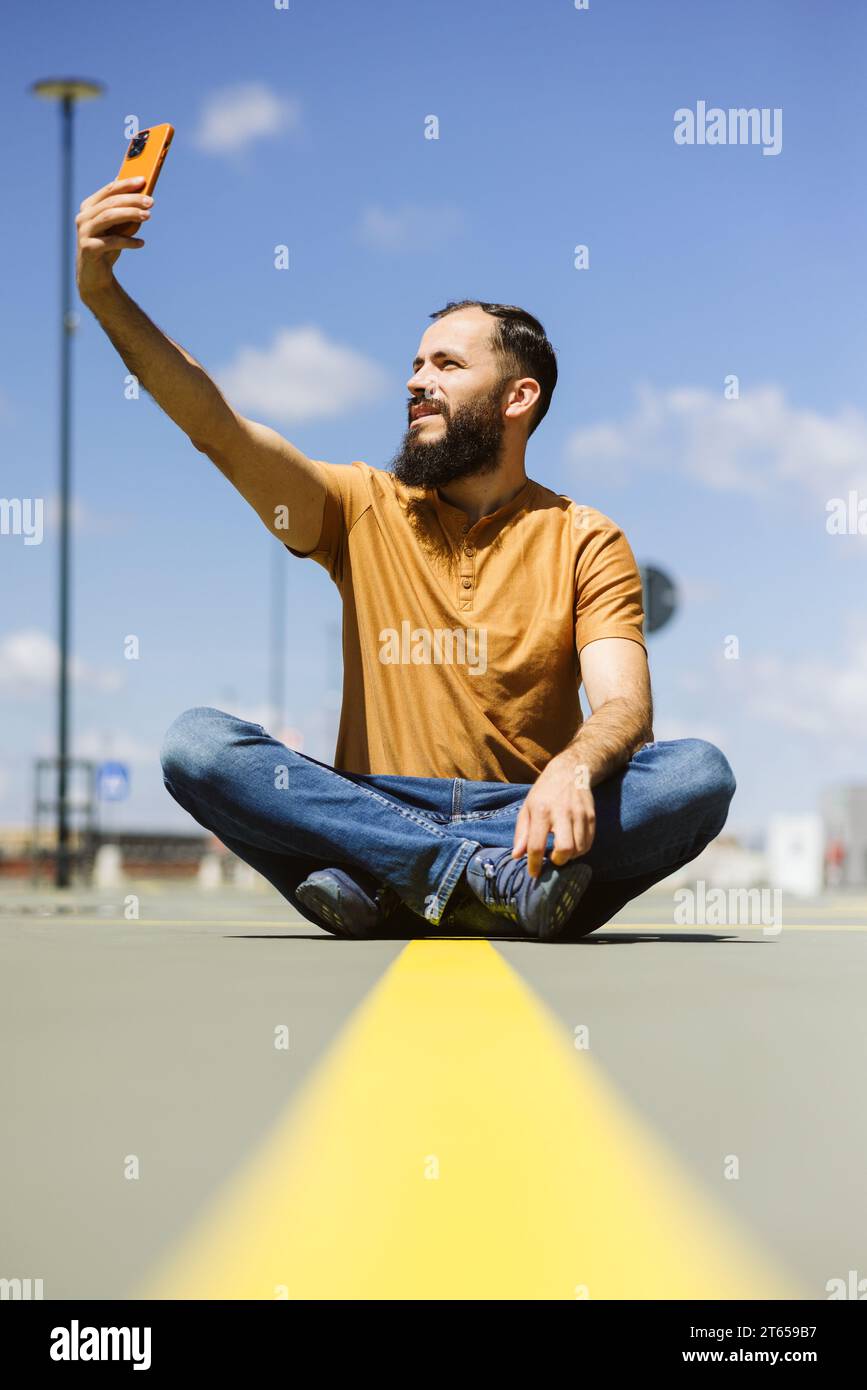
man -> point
(467, 792)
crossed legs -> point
(286, 815)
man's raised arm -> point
(265, 468)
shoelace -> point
(500, 880)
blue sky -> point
(555, 130)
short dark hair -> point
(522, 345)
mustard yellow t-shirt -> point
(461, 643)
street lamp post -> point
(66, 90)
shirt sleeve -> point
(345, 499)
(608, 593)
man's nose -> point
(421, 386)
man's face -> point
(455, 417)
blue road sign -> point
(112, 781)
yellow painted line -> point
(816, 926)
(825, 926)
(292, 925)
(810, 926)
(848, 908)
(66, 918)
(730, 928)
(455, 1145)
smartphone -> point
(144, 159)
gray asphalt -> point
(155, 1038)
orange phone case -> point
(145, 165)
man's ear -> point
(523, 396)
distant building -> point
(164, 854)
(795, 853)
(844, 812)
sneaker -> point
(343, 906)
(541, 906)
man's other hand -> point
(561, 803)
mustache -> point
(437, 407)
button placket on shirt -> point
(467, 570)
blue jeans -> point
(288, 815)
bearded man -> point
(468, 792)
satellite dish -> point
(660, 597)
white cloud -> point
(819, 694)
(115, 746)
(234, 117)
(410, 227)
(29, 663)
(692, 590)
(812, 696)
(755, 445)
(82, 518)
(671, 727)
(816, 695)
(301, 376)
(28, 660)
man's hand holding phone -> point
(109, 221)
(118, 204)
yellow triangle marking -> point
(453, 1144)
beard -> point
(470, 445)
